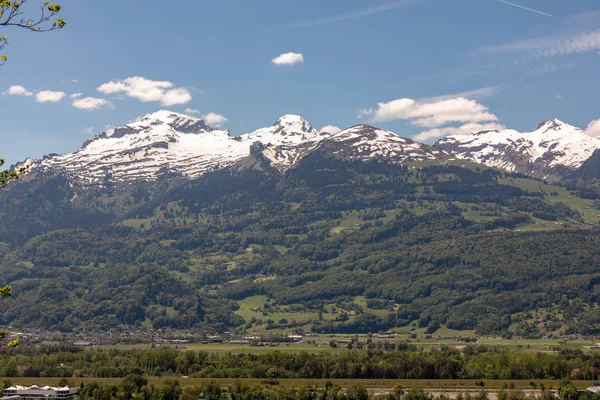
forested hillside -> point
(331, 246)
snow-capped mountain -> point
(168, 142)
(287, 140)
(362, 142)
(158, 143)
(552, 151)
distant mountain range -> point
(166, 142)
(554, 150)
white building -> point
(39, 393)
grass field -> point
(322, 344)
(249, 309)
(586, 208)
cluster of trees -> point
(134, 386)
(398, 362)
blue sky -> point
(421, 68)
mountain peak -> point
(293, 125)
(179, 122)
(365, 142)
(287, 130)
(166, 115)
(361, 128)
(290, 119)
(553, 123)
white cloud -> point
(176, 96)
(109, 129)
(330, 129)
(547, 47)
(75, 95)
(288, 59)
(192, 111)
(88, 130)
(444, 115)
(18, 90)
(461, 130)
(147, 90)
(91, 103)
(357, 14)
(49, 96)
(433, 114)
(75, 80)
(215, 120)
(593, 128)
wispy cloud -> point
(364, 112)
(480, 93)
(526, 8)
(549, 68)
(578, 18)
(582, 42)
(357, 13)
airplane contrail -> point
(526, 8)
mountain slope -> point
(395, 244)
(552, 151)
(590, 169)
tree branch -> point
(11, 10)
(7, 175)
